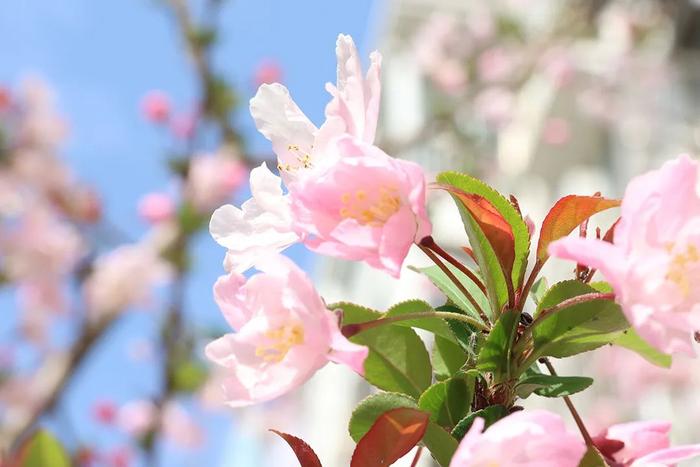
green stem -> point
(455, 281)
(350, 330)
(429, 242)
(522, 298)
(570, 405)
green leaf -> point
(567, 214)
(445, 284)
(521, 234)
(448, 358)
(43, 450)
(592, 458)
(188, 376)
(448, 401)
(552, 386)
(440, 443)
(495, 354)
(490, 414)
(466, 336)
(630, 340)
(435, 325)
(538, 289)
(397, 360)
(577, 328)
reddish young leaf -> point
(392, 435)
(567, 214)
(306, 456)
(495, 227)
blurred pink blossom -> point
(284, 334)
(183, 125)
(41, 127)
(156, 106)
(213, 178)
(556, 131)
(105, 412)
(496, 64)
(123, 278)
(367, 207)
(643, 444)
(654, 260)
(137, 417)
(268, 71)
(180, 428)
(534, 438)
(156, 208)
(494, 105)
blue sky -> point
(101, 56)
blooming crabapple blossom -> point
(41, 128)
(180, 428)
(156, 106)
(183, 125)
(105, 412)
(367, 207)
(156, 208)
(212, 179)
(137, 417)
(524, 439)
(124, 277)
(356, 98)
(267, 72)
(654, 260)
(643, 444)
(354, 108)
(262, 224)
(284, 333)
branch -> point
(57, 373)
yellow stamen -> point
(283, 339)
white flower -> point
(263, 224)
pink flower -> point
(156, 208)
(137, 417)
(299, 145)
(267, 72)
(367, 207)
(284, 334)
(213, 178)
(156, 107)
(524, 439)
(180, 428)
(263, 223)
(183, 125)
(124, 277)
(556, 131)
(494, 105)
(104, 412)
(496, 64)
(643, 444)
(654, 261)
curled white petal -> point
(262, 224)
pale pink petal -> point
(668, 457)
(592, 253)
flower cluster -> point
(342, 196)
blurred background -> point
(123, 125)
